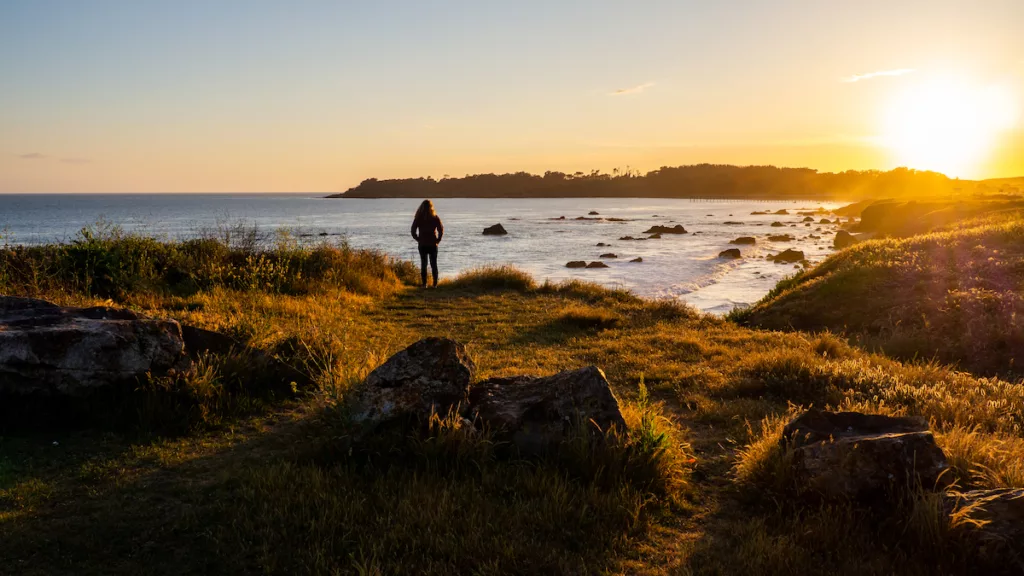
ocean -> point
(683, 266)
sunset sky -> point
(254, 95)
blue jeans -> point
(426, 251)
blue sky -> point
(313, 95)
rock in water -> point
(788, 257)
(731, 253)
(841, 455)
(780, 238)
(496, 230)
(777, 224)
(843, 239)
(744, 240)
(49, 350)
(593, 213)
(535, 414)
(576, 264)
(431, 376)
(597, 264)
(637, 259)
(656, 229)
(608, 255)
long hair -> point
(426, 210)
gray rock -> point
(535, 414)
(849, 455)
(430, 376)
(50, 350)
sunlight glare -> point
(948, 125)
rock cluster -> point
(435, 376)
(658, 229)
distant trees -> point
(695, 181)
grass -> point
(953, 296)
(229, 479)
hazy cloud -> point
(633, 90)
(877, 74)
(62, 160)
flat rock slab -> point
(998, 515)
(537, 413)
(47, 349)
(849, 455)
(430, 376)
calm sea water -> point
(676, 266)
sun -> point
(947, 125)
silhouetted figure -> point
(428, 231)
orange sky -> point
(118, 97)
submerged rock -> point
(777, 224)
(596, 264)
(535, 414)
(847, 455)
(637, 259)
(430, 376)
(496, 230)
(594, 213)
(654, 237)
(608, 255)
(732, 223)
(744, 240)
(576, 264)
(50, 350)
(731, 253)
(780, 238)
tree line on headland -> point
(696, 181)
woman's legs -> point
(433, 266)
(424, 250)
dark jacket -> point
(429, 231)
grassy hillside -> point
(954, 295)
(278, 486)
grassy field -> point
(237, 481)
(951, 295)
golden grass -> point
(284, 489)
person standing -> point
(428, 231)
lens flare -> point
(948, 125)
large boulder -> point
(843, 239)
(850, 455)
(51, 350)
(430, 376)
(535, 414)
(496, 230)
